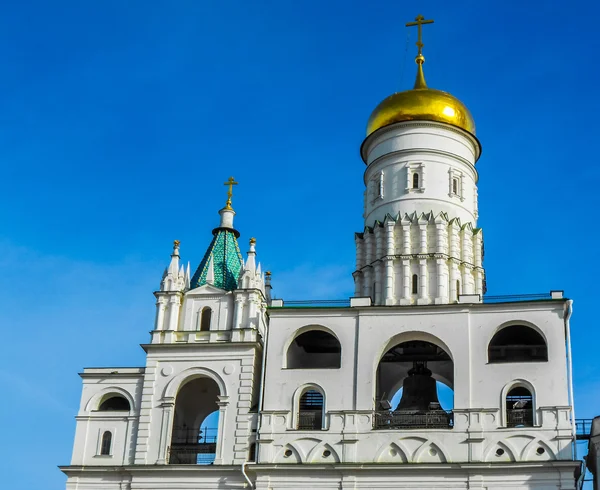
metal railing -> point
(193, 446)
(519, 417)
(344, 303)
(409, 419)
(310, 420)
(583, 429)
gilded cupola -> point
(421, 103)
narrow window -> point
(415, 284)
(415, 181)
(252, 452)
(106, 443)
(519, 408)
(310, 415)
(458, 288)
(205, 319)
(455, 186)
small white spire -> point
(258, 270)
(250, 264)
(187, 276)
(174, 265)
(210, 274)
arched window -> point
(455, 186)
(310, 413)
(105, 446)
(519, 407)
(195, 423)
(205, 319)
(517, 343)
(458, 293)
(415, 284)
(114, 403)
(314, 349)
(415, 180)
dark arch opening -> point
(114, 403)
(195, 423)
(415, 284)
(517, 343)
(314, 349)
(519, 407)
(415, 180)
(106, 443)
(205, 319)
(310, 413)
(415, 369)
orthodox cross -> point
(419, 21)
(230, 183)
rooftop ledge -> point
(462, 299)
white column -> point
(160, 313)
(406, 283)
(423, 298)
(453, 277)
(238, 313)
(368, 284)
(222, 404)
(166, 429)
(442, 281)
(389, 264)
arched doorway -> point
(195, 423)
(414, 387)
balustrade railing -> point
(410, 419)
(519, 417)
(310, 420)
(193, 446)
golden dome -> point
(421, 104)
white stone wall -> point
(91, 423)
(428, 229)
(445, 255)
(464, 331)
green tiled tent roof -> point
(226, 260)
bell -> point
(419, 391)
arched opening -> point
(458, 293)
(414, 387)
(519, 407)
(415, 180)
(205, 319)
(105, 444)
(195, 423)
(315, 349)
(415, 284)
(517, 343)
(455, 186)
(114, 403)
(310, 410)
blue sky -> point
(119, 121)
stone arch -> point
(509, 452)
(430, 452)
(540, 354)
(391, 367)
(304, 330)
(95, 400)
(517, 383)
(318, 454)
(529, 452)
(296, 402)
(289, 454)
(188, 375)
(390, 453)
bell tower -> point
(420, 244)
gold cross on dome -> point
(231, 182)
(419, 21)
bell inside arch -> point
(419, 391)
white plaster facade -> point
(421, 243)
